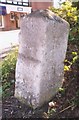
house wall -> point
(40, 5)
(9, 24)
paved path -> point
(8, 39)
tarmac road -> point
(8, 39)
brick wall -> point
(41, 5)
(8, 23)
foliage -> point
(7, 66)
(68, 64)
(76, 4)
(71, 66)
(71, 15)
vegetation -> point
(76, 4)
(7, 67)
(71, 15)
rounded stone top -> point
(46, 14)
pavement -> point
(8, 39)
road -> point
(8, 39)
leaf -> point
(75, 58)
(66, 68)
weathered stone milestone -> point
(42, 49)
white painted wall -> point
(15, 8)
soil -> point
(66, 101)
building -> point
(11, 12)
(41, 5)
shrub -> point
(71, 15)
(7, 66)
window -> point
(25, 0)
(12, 16)
(9, 1)
(20, 3)
(1, 21)
(25, 4)
(17, 0)
(2, 0)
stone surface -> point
(0, 109)
(42, 49)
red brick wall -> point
(8, 24)
(41, 5)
